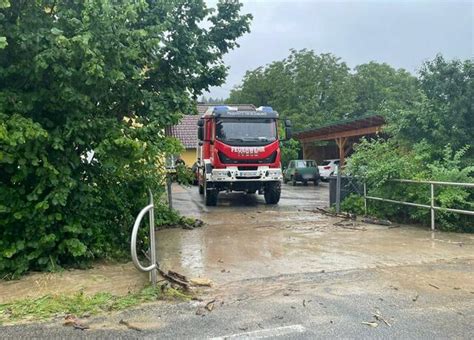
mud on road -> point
(286, 271)
(245, 239)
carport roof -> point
(344, 128)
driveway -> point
(287, 271)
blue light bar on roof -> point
(265, 109)
(220, 109)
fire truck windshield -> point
(246, 131)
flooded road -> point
(243, 239)
(283, 272)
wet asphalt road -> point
(287, 272)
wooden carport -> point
(342, 131)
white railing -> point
(432, 205)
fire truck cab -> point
(240, 151)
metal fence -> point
(432, 205)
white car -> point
(327, 168)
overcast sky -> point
(400, 33)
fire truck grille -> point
(227, 160)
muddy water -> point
(117, 279)
(244, 238)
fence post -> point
(169, 191)
(432, 207)
(365, 198)
(338, 190)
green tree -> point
(309, 89)
(445, 113)
(381, 89)
(102, 75)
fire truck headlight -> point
(273, 173)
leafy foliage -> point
(101, 75)
(377, 162)
(289, 151)
(314, 90)
(445, 112)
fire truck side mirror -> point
(200, 129)
(287, 129)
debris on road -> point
(210, 305)
(348, 225)
(432, 285)
(333, 214)
(373, 220)
(72, 320)
(370, 323)
(381, 318)
(190, 224)
(415, 298)
(176, 278)
(129, 325)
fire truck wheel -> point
(211, 196)
(272, 193)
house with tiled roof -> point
(186, 130)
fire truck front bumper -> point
(233, 174)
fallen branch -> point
(376, 221)
(174, 279)
(333, 214)
(171, 276)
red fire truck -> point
(239, 150)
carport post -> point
(338, 190)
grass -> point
(80, 304)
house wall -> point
(189, 156)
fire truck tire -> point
(272, 193)
(210, 196)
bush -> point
(105, 76)
(379, 161)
